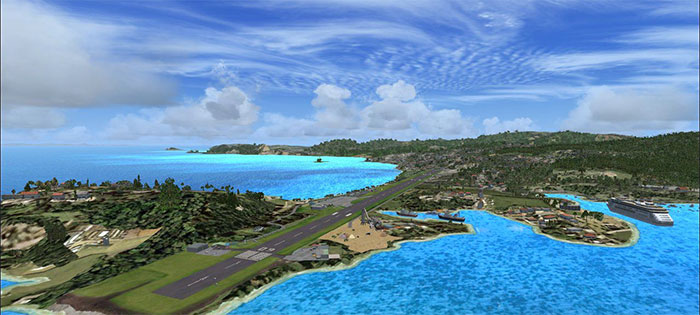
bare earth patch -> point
(356, 237)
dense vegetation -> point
(49, 250)
(184, 217)
(666, 159)
(382, 147)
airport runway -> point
(211, 276)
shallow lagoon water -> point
(7, 283)
(286, 176)
(506, 268)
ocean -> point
(506, 268)
(285, 176)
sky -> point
(301, 72)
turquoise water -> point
(506, 268)
(7, 283)
(286, 176)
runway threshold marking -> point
(334, 213)
(347, 215)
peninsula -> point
(136, 247)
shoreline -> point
(588, 199)
(631, 242)
(21, 281)
(231, 305)
(29, 309)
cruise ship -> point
(643, 211)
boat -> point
(450, 217)
(641, 210)
(406, 213)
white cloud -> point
(52, 59)
(606, 109)
(495, 125)
(332, 111)
(27, 117)
(219, 114)
(398, 114)
(609, 59)
(664, 36)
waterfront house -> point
(589, 235)
(58, 196)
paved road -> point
(210, 276)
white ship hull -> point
(660, 219)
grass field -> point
(293, 226)
(140, 283)
(56, 275)
(116, 247)
(503, 202)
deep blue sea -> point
(508, 269)
(286, 176)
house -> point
(573, 206)
(589, 235)
(30, 194)
(318, 206)
(682, 188)
(81, 194)
(568, 217)
(8, 196)
(573, 229)
(197, 247)
(58, 196)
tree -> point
(170, 194)
(137, 182)
(27, 187)
(13, 191)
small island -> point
(319, 160)
(173, 149)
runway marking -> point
(334, 213)
(198, 281)
(347, 215)
(280, 242)
(314, 226)
(233, 264)
(295, 235)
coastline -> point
(29, 310)
(235, 303)
(631, 242)
(22, 282)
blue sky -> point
(300, 72)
